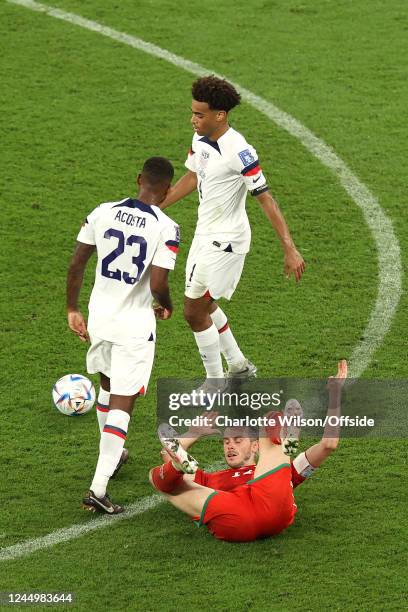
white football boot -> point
(181, 459)
(244, 370)
(290, 434)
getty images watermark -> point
(367, 407)
(223, 420)
(209, 400)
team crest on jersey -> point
(205, 156)
(246, 157)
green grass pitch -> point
(79, 114)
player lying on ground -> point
(251, 499)
(223, 167)
(136, 246)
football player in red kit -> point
(251, 499)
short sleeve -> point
(246, 162)
(190, 162)
(167, 249)
(87, 231)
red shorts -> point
(261, 508)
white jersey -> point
(130, 237)
(226, 169)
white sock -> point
(102, 408)
(228, 344)
(208, 343)
(110, 449)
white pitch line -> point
(388, 251)
(75, 531)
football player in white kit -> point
(136, 246)
(223, 167)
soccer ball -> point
(73, 394)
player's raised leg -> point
(309, 461)
(187, 495)
(279, 438)
(175, 477)
(318, 453)
(271, 455)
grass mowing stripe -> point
(389, 259)
(76, 531)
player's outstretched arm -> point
(294, 262)
(75, 277)
(319, 452)
(184, 186)
(159, 287)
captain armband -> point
(259, 190)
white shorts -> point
(127, 365)
(211, 268)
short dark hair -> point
(158, 170)
(218, 93)
(244, 431)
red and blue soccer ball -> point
(73, 394)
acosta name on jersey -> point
(131, 220)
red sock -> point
(166, 478)
(274, 431)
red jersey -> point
(227, 480)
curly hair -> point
(218, 93)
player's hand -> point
(162, 313)
(208, 429)
(336, 383)
(77, 323)
(294, 263)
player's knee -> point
(192, 316)
(105, 382)
(188, 315)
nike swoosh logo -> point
(108, 509)
(256, 180)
